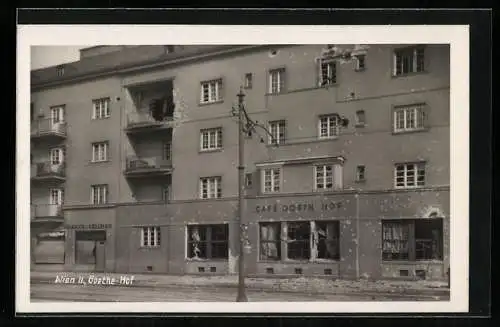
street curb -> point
(340, 290)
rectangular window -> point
(210, 187)
(150, 237)
(248, 81)
(328, 240)
(207, 241)
(56, 156)
(167, 150)
(299, 240)
(360, 62)
(57, 114)
(165, 192)
(276, 81)
(99, 194)
(211, 139)
(270, 241)
(211, 91)
(409, 60)
(32, 111)
(248, 180)
(101, 108)
(271, 180)
(409, 118)
(278, 131)
(328, 126)
(100, 151)
(328, 73)
(56, 196)
(409, 175)
(412, 239)
(324, 177)
(360, 118)
(360, 173)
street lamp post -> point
(242, 297)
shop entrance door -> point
(100, 256)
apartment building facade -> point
(135, 161)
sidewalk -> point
(297, 285)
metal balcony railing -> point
(47, 169)
(46, 210)
(147, 164)
(46, 126)
(145, 119)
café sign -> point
(299, 207)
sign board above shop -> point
(89, 226)
(309, 206)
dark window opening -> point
(248, 180)
(298, 271)
(428, 239)
(213, 269)
(269, 270)
(149, 268)
(299, 240)
(208, 241)
(404, 273)
(328, 240)
(328, 272)
(420, 274)
(201, 269)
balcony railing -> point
(147, 166)
(46, 127)
(40, 211)
(47, 170)
(143, 120)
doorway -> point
(90, 250)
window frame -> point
(331, 69)
(101, 108)
(419, 119)
(59, 196)
(216, 134)
(153, 239)
(324, 168)
(60, 155)
(96, 149)
(217, 187)
(102, 194)
(57, 114)
(208, 242)
(329, 126)
(248, 82)
(360, 122)
(412, 239)
(280, 128)
(411, 53)
(360, 173)
(280, 80)
(212, 84)
(358, 61)
(272, 170)
(418, 167)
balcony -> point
(147, 167)
(46, 213)
(46, 171)
(47, 129)
(142, 122)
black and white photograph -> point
(245, 169)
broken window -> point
(428, 239)
(208, 241)
(270, 241)
(299, 241)
(327, 240)
(163, 108)
(413, 240)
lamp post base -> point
(242, 297)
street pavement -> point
(44, 292)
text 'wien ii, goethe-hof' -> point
(95, 280)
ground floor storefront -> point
(402, 235)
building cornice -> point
(143, 66)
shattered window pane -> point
(299, 240)
(208, 241)
(270, 241)
(429, 239)
(327, 240)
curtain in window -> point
(395, 238)
(269, 241)
(195, 237)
